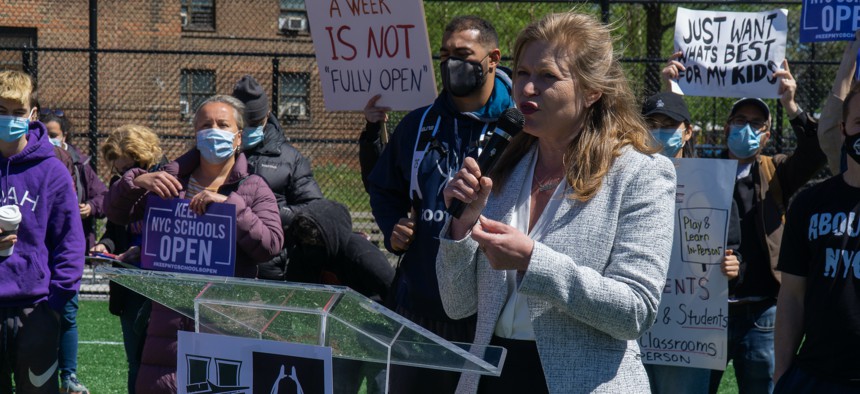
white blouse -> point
(514, 321)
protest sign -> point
(692, 318)
(208, 363)
(369, 47)
(176, 239)
(730, 54)
(829, 20)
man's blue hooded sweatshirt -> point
(394, 192)
(48, 259)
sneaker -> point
(71, 385)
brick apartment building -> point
(157, 59)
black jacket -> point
(324, 249)
(289, 175)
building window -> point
(294, 97)
(198, 15)
(195, 86)
(18, 37)
(293, 18)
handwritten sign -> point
(691, 324)
(369, 47)
(829, 20)
(730, 54)
(175, 239)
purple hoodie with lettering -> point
(48, 259)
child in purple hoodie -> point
(45, 268)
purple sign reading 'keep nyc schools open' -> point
(175, 239)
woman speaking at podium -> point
(564, 247)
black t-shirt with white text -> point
(822, 243)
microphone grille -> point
(511, 121)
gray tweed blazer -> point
(593, 284)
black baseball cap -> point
(756, 102)
(669, 104)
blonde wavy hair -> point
(609, 124)
(137, 142)
(16, 86)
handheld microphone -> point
(510, 124)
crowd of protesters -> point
(560, 255)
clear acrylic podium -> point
(360, 332)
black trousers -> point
(29, 340)
(522, 372)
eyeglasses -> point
(755, 124)
(58, 112)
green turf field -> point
(101, 358)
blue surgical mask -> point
(215, 145)
(12, 128)
(743, 141)
(56, 142)
(671, 139)
(252, 136)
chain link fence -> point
(111, 62)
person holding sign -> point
(830, 130)
(764, 186)
(215, 171)
(563, 249)
(820, 264)
(436, 138)
(667, 115)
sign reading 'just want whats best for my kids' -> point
(730, 54)
(369, 47)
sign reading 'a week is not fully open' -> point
(369, 47)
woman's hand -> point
(161, 183)
(731, 265)
(506, 247)
(472, 189)
(203, 199)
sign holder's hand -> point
(161, 183)
(673, 69)
(731, 265)
(787, 90)
(203, 199)
(374, 114)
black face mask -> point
(852, 147)
(461, 77)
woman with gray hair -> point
(214, 171)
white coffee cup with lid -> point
(10, 218)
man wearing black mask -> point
(405, 186)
